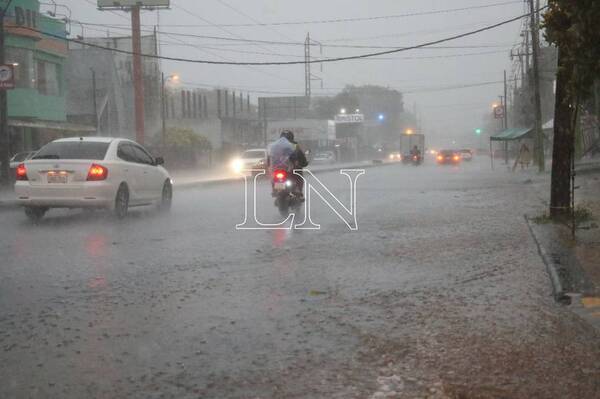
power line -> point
(459, 55)
(345, 20)
(244, 41)
(455, 87)
(235, 35)
(280, 63)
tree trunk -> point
(560, 197)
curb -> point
(551, 267)
(232, 180)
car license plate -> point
(279, 186)
(57, 177)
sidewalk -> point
(588, 166)
(574, 263)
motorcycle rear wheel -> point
(283, 204)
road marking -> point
(590, 302)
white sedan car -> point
(250, 159)
(92, 172)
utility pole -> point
(4, 132)
(138, 79)
(505, 102)
(527, 53)
(504, 127)
(163, 112)
(539, 135)
(94, 101)
(307, 73)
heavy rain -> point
(312, 199)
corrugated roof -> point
(515, 133)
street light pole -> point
(163, 112)
(539, 134)
(4, 133)
(138, 82)
(95, 102)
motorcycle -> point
(416, 160)
(284, 191)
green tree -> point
(182, 146)
(573, 27)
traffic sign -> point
(7, 77)
(499, 112)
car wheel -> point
(122, 202)
(166, 198)
(35, 214)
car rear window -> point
(21, 157)
(73, 150)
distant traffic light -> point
(478, 131)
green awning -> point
(516, 133)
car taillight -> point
(456, 158)
(22, 172)
(440, 158)
(280, 175)
(97, 173)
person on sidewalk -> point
(524, 156)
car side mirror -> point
(159, 161)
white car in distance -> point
(250, 159)
(92, 172)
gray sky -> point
(446, 113)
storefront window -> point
(22, 59)
(47, 78)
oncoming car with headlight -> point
(395, 156)
(250, 159)
(448, 157)
(92, 172)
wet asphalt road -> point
(440, 292)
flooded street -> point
(440, 293)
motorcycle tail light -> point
(280, 175)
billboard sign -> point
(349, 118)
(133, 3)
(7, 77)
(284, 108)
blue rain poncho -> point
(280, 152)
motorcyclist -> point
(285, 153)
(415, 152)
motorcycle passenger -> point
(299, 161)
(281, 150)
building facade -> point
(35, 46)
